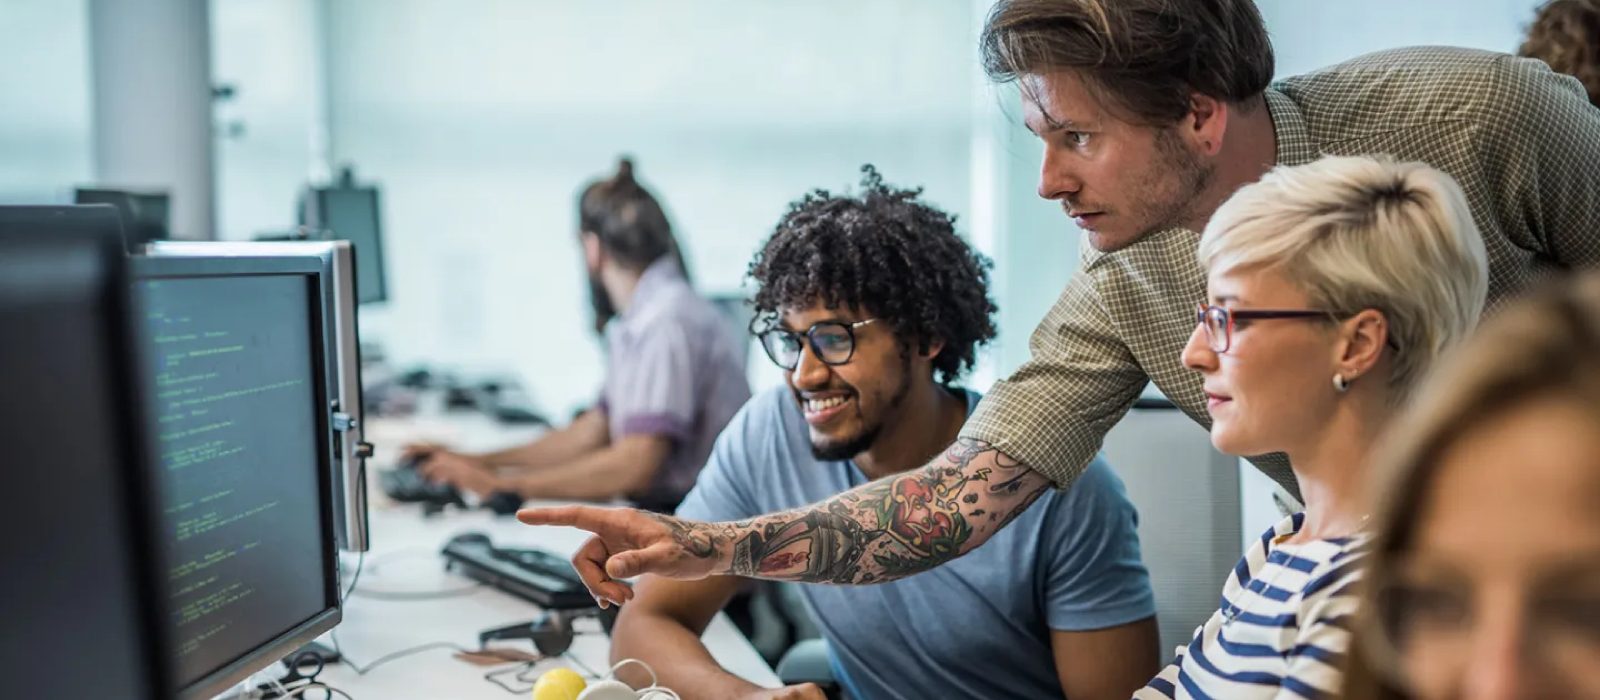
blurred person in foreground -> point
(1484, 571)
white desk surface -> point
(404, 559)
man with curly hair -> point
(874, 307)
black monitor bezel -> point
(136, 230)
(319, 196)
(101, 229)
(269, 652)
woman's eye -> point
(1078, 138)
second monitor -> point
(241, 406)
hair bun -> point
(624, 169)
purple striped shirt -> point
(672, 370)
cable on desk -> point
(362, 670)
(300, 692)
(419, 595)
(361, 559)
(518, 672)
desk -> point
(404, 559)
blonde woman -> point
(1484, 572)
(1332, 286)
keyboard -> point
(406, 485)
(537, 576)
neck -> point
(925, 423)
(619, 285)
(1332, 466)
(1249, 149)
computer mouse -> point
(413, 462)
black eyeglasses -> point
(1218, 322)
(833, 342)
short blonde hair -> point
(1359, 233)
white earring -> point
(1340, 384)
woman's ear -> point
(1362, 340)
(934, 348)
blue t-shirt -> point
(979, 626)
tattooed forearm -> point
(888, 529)
(700, 540)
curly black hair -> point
(883, 251)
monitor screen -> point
(82, 593)
(244, 444)
(344, 367)
(351, 214)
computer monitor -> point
(144, 214)
(237, 359)
(344, 371)
(83, 590)
(350, 213)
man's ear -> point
(1206, 124)
(934, 348)
(592, 253)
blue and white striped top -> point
(1283, 627)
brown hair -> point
(632, 228)
(1142, 57)
(1566, 35)
(1546, 344)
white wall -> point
(273, 132)
(45, 144)
(481, 120)
(151, 80)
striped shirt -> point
(1282, 628)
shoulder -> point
(1396, 88)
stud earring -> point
(1340, 384)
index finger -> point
(589, 518)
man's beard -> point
(1189, 178)
(840, 451)
(600, 302)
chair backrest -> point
(1187, 494)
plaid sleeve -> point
(1542, 136)
(1053, 412)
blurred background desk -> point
(406, 599)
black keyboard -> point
(406, 485)
(534, 575)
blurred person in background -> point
(1484, 573)
(1566, 35)
(674, 376)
